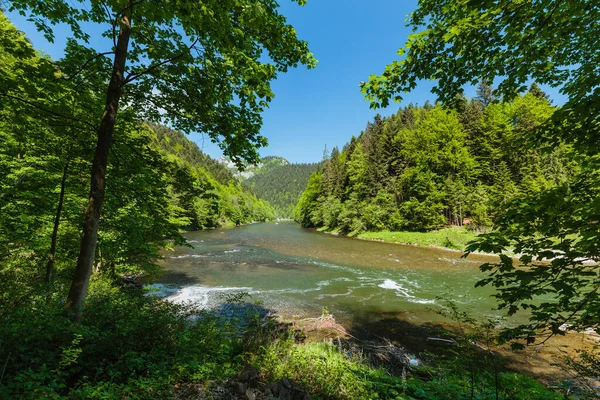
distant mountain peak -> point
(250, 170)
(274, 179)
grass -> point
(321, 368)
(327, 372)
(455, 238)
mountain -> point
(265, 164)
(281, 185)
(275, 180)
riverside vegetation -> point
(72, 327)
(452, 238)
(427, 167)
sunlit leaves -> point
(200, 66)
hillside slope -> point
(426, 167)
(280, 183)
(274, 179)
(209, 195)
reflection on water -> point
(295, 270)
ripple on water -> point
(325, 295)
(338, 267)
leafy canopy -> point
(507, 42)
(201, 66)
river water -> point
(298, 271)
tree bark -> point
(87, 250)
(61, 197)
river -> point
(297, 271)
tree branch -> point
(151, 68)
(579, 307)
(69, 117)
(89, 60)
(112, 23)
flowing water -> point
(299, 271)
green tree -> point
(308, 200)
(44, 137)
(359, 180)
(175, 55)
(555, 229)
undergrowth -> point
(134, 347)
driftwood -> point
(381, 353)
(454, 342)
(449, 341)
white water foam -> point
(329, 281)
(320, 285)
(160, 290)
(401, 291)
(393, 285)
(204, 296)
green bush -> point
(327, 372)
(128, 344)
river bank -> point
(432, 345)
(451, 238)
(319, 356)
(379, 293)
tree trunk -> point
(50, 264)
(85, 260)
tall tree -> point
(485, 93)
(551, 42)
(197, 65)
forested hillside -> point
(280, 183)
(274, 179)
(219, 199)
(176, 143)
(158, 182)
(426, 167)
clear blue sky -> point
(351, 39)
